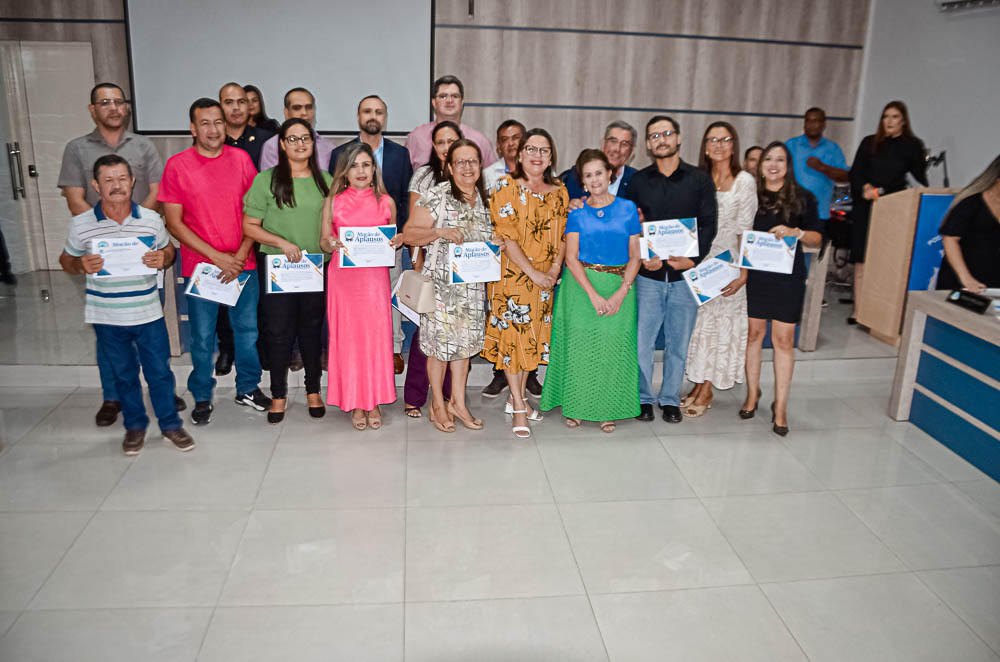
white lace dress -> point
(717, 352)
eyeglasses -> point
(107, 103)
(466, 163)
(444, 97)
(724, 141)
(623, 143)
(531, 150)
(305, 140)
(661, 134)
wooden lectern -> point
(891, 233)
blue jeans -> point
(670, 306)
(124, 348)
(202, 315)
(107, 374)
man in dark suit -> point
(618, 145)
(393, 162)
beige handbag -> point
(416, 291)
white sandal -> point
(509, 410)
(520, 431)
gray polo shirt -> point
(80, 154)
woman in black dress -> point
(785, 210)
(970, 234)
(258, 115)
(880, 167)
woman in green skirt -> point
(593, 370)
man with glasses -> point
(110, 111)
(239, 133)
(299, 102)
(668, 189)
(448, 101)
(618, 145)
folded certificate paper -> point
(283, 276)
(474, 262)
(367, 246)
(708, 278)
(122, 257)
(765, 252)
(677, 237)
(205, 284)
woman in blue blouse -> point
(593, 370)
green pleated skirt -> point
(593, 371)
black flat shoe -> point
(317, 412)
(275, 417)
(851, 321)
(646, 413)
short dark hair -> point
(588, 155)
(373, 96)
(202, 103)
(111, 160)
(816, 109)
(750, 149)
(231, 84)
(101, 86)
(298, 89)
(447, 80)
(662, 118)
(506, 124)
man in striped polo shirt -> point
(125, 310)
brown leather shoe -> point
(134, 440)
(181, 440)
(108, 413)
(397, 362)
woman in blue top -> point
(593, 370)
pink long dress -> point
(360, 374)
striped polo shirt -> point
(128, 300)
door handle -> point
(10, 165)
(20, 170)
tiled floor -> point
(854, 538)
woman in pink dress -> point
(360, 376)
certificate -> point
(764, 251)
(205, 284)
(676, 237)
(708, 278)
(123, 256)
(283, 275)
(367, 246)
(474, 262)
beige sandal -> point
(694, 411)
(573, 422)
(608, 427)
(360, 424)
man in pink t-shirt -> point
(448, 101)
(202, 191)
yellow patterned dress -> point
(520, 321)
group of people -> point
(574, 292)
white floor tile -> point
(526, 630)
(881, 618)
(695, 625)
(985, 492)
(32, 545)
(314, 557)
(650, 546)
(22, 409)
(482, 552)
(305, 634)
(944, 460)
(106, 635)
(7, 619)
(973, 594)
(60, 477)
(145, 559)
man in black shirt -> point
(239, 133)
(668, 189)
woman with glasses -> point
(529, 208)
(426, 177)
(717, 350)
(282, 211)
(452, 212)
(361, 375)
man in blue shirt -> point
(817, 162)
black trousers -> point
(5, 269)
(291, 317)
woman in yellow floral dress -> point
(528, 209)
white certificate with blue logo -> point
(708, 278)
(474, 262)
(764, 251)
(123, 256)
(285, 276)
(676, 237)
(205, 284)
(367, 246)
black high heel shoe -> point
(780, 430)
(747, 414)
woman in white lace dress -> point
(717, 350)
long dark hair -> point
(549, 175)
(705, 163)
(480, 186)
(880, 132)
(437, 167)
(282, 184)
(788, 200)
(261, 117)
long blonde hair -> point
(344, 162)
(985, 180)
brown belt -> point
(605, 268)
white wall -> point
(945, 67)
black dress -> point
(978, 231)
(774, 296)
(886, 169)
